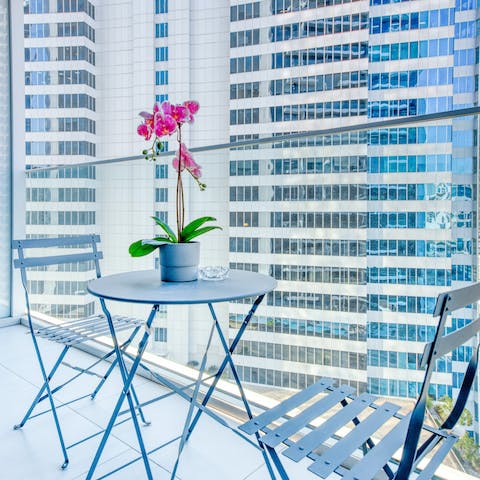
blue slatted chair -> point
(355, 454)
(68, 333)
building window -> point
(161, 78)
(161, 171)
(76, 6)
(161, 54)
(160, 334)
(36, 6)
(36, 30)
(162, 216)
(161, 98)
(161, 195)
(161, 6)
(245, 12)
(161, 30)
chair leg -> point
(278, 464)
(127, 378)
(139, 408)
(134, 393)
(39, 397)
(104, 378)
(123, 347)
(46, 386)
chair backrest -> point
(26, 261)
(441, 345)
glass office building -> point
(299, 208)
(362, 230)
(60, 126)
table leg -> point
(127, 378)
(229, 360)
(193, 402)
(228, 356)
(229, 351)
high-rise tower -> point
(60, 127)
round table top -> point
(146, 287)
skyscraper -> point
(362, 229)
(60, 125)
(298, 208)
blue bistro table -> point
(146, 287)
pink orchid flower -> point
(165, 125)
(149, 116)
(192, 106)
(186, 162)
(145, 131)
(146, 128)
(180, 113)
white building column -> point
(12, 148)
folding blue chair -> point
(71, 332)
(353, 454)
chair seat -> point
(74, 332)
(350, 451)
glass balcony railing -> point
(362, 226)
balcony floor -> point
(213, 452)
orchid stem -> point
(180, 205)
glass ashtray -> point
(214, 273)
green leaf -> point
(192, 226)
(200, 231)
(166, 229)
(139, 249)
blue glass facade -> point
(362, 209)
(444, 213)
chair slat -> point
(56, 259)
(451, 341)
(70, 325)
(378, 456)
(312, 440)
(281, 409)
(94, 327)
(458, 298)
(295, 424)
(55, 242)
(79, 323)
(339, 452)
(437, 459)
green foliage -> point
(166, 229)
(466, 447)
(469, 450)
(192, 229)
(445, 405)
(141, 248)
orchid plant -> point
(166, 120)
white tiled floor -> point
(213, 452)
